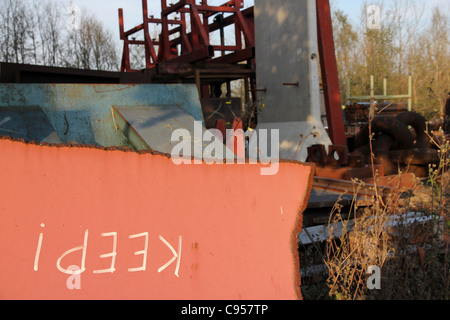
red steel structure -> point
(184, 49)
(186, 29)
(330, 80)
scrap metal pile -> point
(403, 142)
(399, 140)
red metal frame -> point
(330, 80)
(176, 45)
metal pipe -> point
(220, 20)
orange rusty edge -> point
(127, 149)
(298, 223)
(298, 228)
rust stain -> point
(112, 88)
(73, 144)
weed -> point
(405, 236)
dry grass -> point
(409, 245)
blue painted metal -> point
(83, 112)
(26, 123)
(151, 128)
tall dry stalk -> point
(407, 245)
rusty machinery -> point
(183, 52)
(401, 141)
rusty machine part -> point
(400, 142)
(338, 164)
(418, 123)
(380, 125)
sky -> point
(107, 10)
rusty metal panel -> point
(82, 112)
(99, 223)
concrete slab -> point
(295, 138)
(288, 80)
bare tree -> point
(433, 64)
(404, 45)
(15, 31)
(405, 16)
(36, 32)
(91, 46)
(346, 39)
(137, 57)
(50, 30)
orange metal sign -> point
(93, 223)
